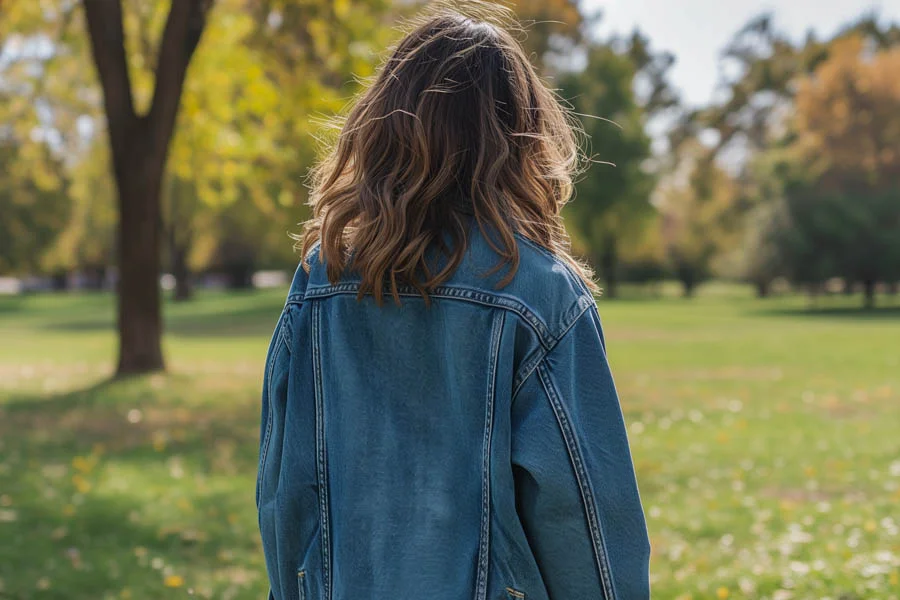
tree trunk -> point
(179, 248)
(688, 279)
(869, 293)
(139, 307)
(139, 145)
(240, 276)
(893, 288)
(60, 281)
(762, 289)
(184, 287)
(609, 265)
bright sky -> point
(697, 30)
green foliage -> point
(839, 234)
(817, 125)
(264, 77)
(838, 173)
(88, 238)
(697, 204)
(613, 198)
(33, 204)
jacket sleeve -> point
(576, 493)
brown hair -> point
(456, 124)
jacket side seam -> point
(584, 485)
(321, 457)
(484, 537)
(267, 438)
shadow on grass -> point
(115, 486)
(225, 322)
(253, 320)
(836, 312)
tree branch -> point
(184, 26)
(105, 29)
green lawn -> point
(766, 439)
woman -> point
(438, 417)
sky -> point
(697, 30)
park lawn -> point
(766, 439)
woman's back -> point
(465, 439)
(450, 450)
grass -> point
(765, 438)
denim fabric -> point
(470, 449)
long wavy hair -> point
(456, 124)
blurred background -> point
(747, 239)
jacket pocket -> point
(514, 594)
(301, 584)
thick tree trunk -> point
(869, 293)
(139, 145)
(140, 316)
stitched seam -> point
(269, 421)
(301, 582)
(454, 293)
(286, 325)
(515, 593)
(530, 365)
(484, 545)
(587, 496)
(321, 459)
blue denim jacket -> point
(470, 449)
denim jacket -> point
(473, 448)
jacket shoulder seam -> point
(530, 364)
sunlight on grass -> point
(764, 436)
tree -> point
(139, 146)
(697, 205)
(553, 27)
(87, 243)
(613, 199)
(33, 180)
(238, 167)
(32, 201)
(844, 206)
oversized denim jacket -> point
(470, 449)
